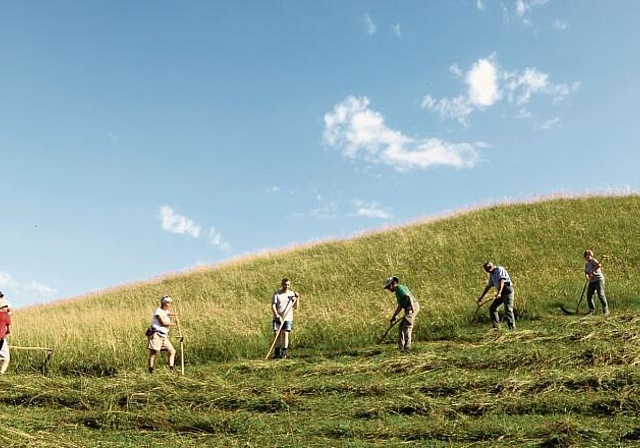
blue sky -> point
(150, 137)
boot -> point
(276, 354)
(284, 353)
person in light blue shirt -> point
(499, 279)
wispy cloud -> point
(175, 223)
(361, 132)
(551, 123)
(40, 288)
(370, 24)
(215, 238)
(522, 10)
(321, 209)
(487, 83)
(560, 25)
(480, 5)
(396, 29)
(372, 209)
(7, 281)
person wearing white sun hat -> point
(158, 334)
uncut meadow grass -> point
(225, 311)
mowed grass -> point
(558, 381)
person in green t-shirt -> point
(408, 303)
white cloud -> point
(371, 26)
(487, 84)
(175, 223)
(370, 210)
(395, 29)
(360, 132)
(560, 25)
(458, 108)
(482, 81)
(5, 279)
(520, 87)
(215, 238)
(522, 10)
(40, 288)
(455, 71)
(551, 123)
(480, 5)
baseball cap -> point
(166, 299)
(390, 280)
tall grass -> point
(225, 311)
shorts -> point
(158, 343)
(4, 350)
(288, 325)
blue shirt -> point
(498, 273)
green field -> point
(558, 381)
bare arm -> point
(486, 290)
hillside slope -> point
(225, 310)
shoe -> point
(150, 369)
(591, 311)
(606, 312)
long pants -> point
(507, 299)
(406, 327)
(597, 286)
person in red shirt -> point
(5, 329)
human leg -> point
(171, 352)
(602, 297)
(508, 308)
(493, 312)
(4, 356)
(591, 288)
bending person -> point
(408, 303)
(499, 279)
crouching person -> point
(158, 334)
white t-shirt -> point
(283, 300)
(157, 324)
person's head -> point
(588, 255)
(4, 306)
(286, 284)
(166, 302)
(391, 283)
(488, 266)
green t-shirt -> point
(402, 294)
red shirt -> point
(5, 321)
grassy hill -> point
(558, 381)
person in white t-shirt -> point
(159, 337)
(283, 303)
